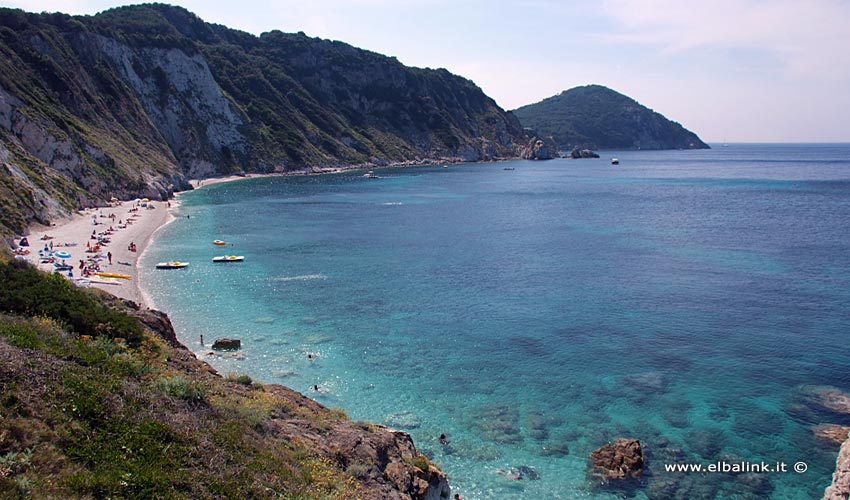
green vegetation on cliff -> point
(135, 100)
(597, 117)
(95, 405)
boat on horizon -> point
(615, 161)
(371, 175)
(172, 264)
(229, 258)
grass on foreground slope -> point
(94, 406)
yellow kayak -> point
(115, 275)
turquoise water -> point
(533, 315)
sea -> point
(533, 311)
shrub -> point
(422, 462)
(239, 378)
(178, 386)
(28, 291)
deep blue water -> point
(532, 315)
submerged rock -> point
(497, 423)
(824, 398)
(403, 420)
(520, 472)
(537, 424)
(707, 443)
(619, 460)
(831, 433)
(647, 382)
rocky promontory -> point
(596, 117)
(539, 149)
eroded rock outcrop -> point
(384, 460)
(618, 460)
(831, 433)
(577, 153)
(539, 149)
(840, 487)
(227, 344)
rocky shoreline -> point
(383, 460)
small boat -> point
(219, 242)
(509, 168)
(615, 161)
(172, 264)
(229, 258)
(371, 175)
(104, 281)
(114, 275)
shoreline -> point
(123, 223)
(72, 233)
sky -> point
(729, 70)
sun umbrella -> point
(62, 254)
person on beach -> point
(109, 256)
(202, 340)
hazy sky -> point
(740, 70)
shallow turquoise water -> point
(532, 315)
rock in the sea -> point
(539, 149)
(831, 433)
(618, 460)
(225, 344)
(840, 487)
(577, 153)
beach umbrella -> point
(62, 254)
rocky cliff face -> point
(840, 487)
(539, 149)
(385, 461)
(135, 100)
